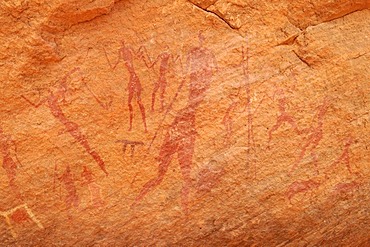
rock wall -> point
(186, 123)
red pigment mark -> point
(343, 188)
(134, 86)
(314, 136)
(53, 101)
(20, 216)
(67, 179)
(344, 157)
(181, 135)
(161, 83)
(9, 163)
(300, 187)
(284, 116)
(94, 188)
(132, 145)
(209, 177)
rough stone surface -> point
(258, 136)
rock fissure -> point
(222, 19)
(301, 59)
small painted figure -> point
(227, 120)
(284, 116)
(314, 136)
(134, 86)
(161, 83)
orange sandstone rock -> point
(191, 123)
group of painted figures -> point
(180, 137)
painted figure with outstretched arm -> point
(134, 86)
(53, 101)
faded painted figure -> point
(284, 116)
(181, 135)
(54, 101)
(314, 136)
(161, 84)
(10, 162)
(134, 86)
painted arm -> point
(174, 58)
(143, 54)
(15, 153)
(36, 105)
(119, 58)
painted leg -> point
(185, 155)
(165, 157)
(142, 110)
(155, 89)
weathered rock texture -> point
(249, 123)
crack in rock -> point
(302, 59)
(218, 16)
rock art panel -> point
(186, 122)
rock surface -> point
(186, 123)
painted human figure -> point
(72, 199)
(315, 134)
(10, 163)
(134, 86)
(181, 135)
(53, 101)
(94, 188)
(284, 116)
(227, 120)
(161, 83)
